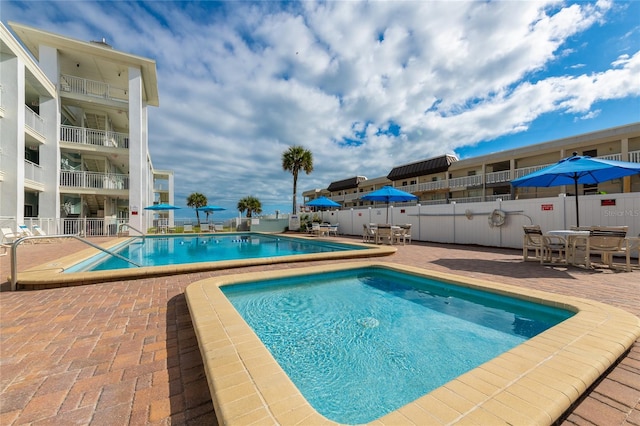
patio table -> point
(569, 236)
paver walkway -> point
(124, 353)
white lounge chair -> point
(38, 232)
(8, 236)
(188, 228)
(24, 231)
(204, 227)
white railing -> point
(634, 156)
(612, 157)
(462, 200)
(96, 89)
(86, 136)
(351, 197)
(502, 197)
(93, 180)
(33, 121)
(526, 170)
(33, 171)
(465, 181)
(433, 185)
(498, 177)
(433, 202)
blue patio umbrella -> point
(576, 170)
(162, 207)
(210, 209)
(389, 194)
(323, 203)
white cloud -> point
(239, 82)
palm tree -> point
(294, 159)
(251, 204)
(197, 200)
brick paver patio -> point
(125, 352)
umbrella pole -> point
(575, 183)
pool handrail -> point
(142, 234)
(14, 253)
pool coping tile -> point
(565, 360)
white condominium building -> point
(74, 139)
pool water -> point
(174, 250)
(359, 344)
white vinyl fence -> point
(461, 223)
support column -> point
(49, 199)
(137, 153)
(12, 138)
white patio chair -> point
(604, 240)
(368, 233)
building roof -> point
(346, 183)
(97, 58)
(421, 168)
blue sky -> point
(365, 86)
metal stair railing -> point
(122, 225)
(14, 253)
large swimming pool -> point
(362, 343)
(182, 249)
(186, 253)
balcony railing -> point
(612, 157)
(93, 180)
(351, 197)
(526, 170)
(433, 185)
(634, 156)
(467, 200)
(502, 197)
(85, 136)
(96, 89)
(465, 181)
(33, 121)
(33, 171)
(498, 177)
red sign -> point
(545, 207)
(609, 202)
(134, 213)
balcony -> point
(93, 180)
(34, 122)
(503, 176)
(33, 173)
(85, 136)
(91, 88)
(466, 181)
